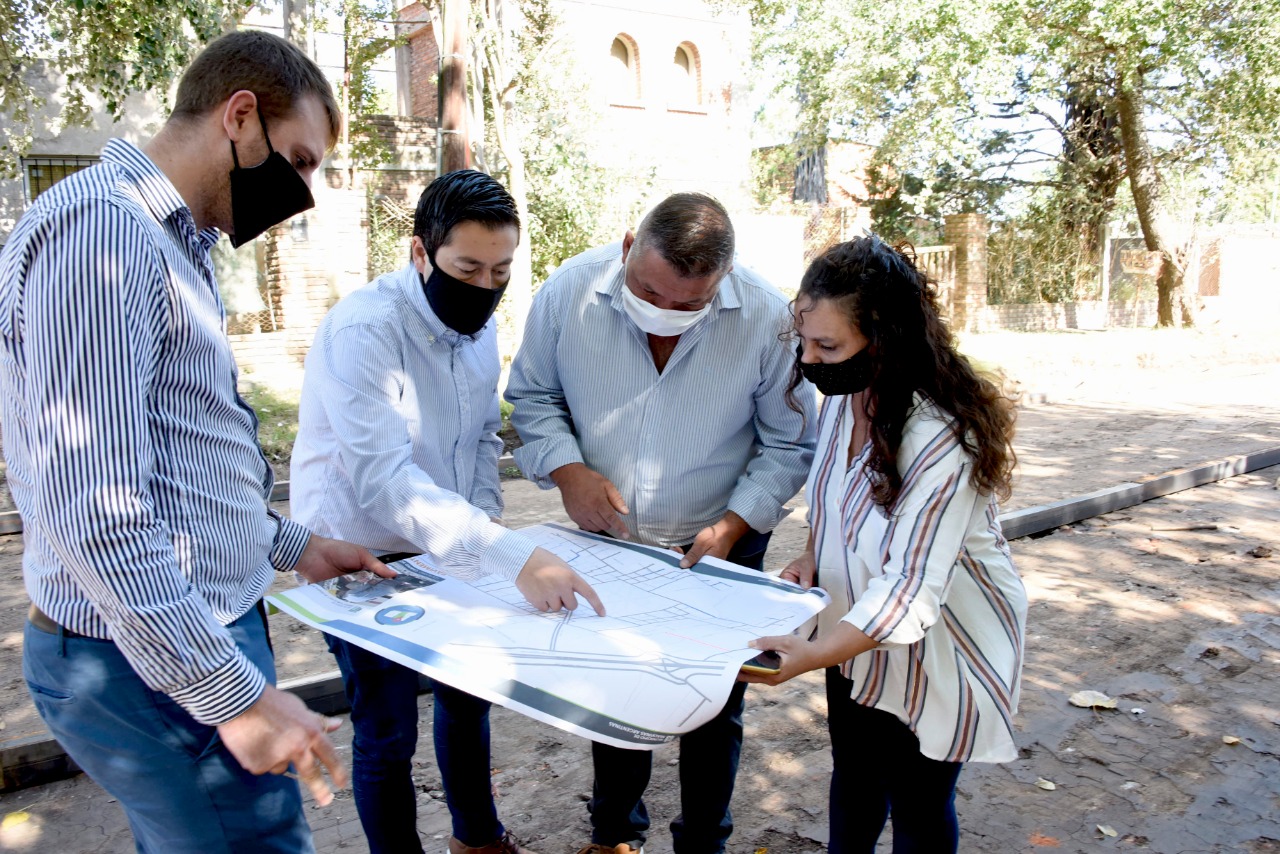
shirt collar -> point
(411, 287)
(155, 189)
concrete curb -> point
(39, 759)
(11, 521)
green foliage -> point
(362, 24)
(573, 202)
(277, 420)
(1024, 95)
(773, 175)
(390, 227)
(107, 48)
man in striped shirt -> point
(135, 464)
(651, 390)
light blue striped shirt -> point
(711, 433)
(397, 443)
(133, 461)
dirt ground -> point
(1172, 608)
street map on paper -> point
(660, 663)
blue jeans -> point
(384, 715)
(879, 771)
(708, 767)
(180, 788)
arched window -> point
(686, 77)
(624, 70)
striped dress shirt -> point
(397, 433)
(132, 459)
(932, 582)
(709, 434)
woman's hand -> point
(803, 570)
(800, 656)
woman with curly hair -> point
(923, 642)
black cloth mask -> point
(266, 194)
(462, 307)
(848, 377)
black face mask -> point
(266, 194)
(462, 307)
(848, 377)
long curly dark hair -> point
(893, 304)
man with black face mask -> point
(135, 464)
(398, 450)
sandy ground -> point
(1165, 607)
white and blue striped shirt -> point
(131, 457)
(397, 433)
(709, 434)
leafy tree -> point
(107, 48)
(1131, 89)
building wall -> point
(648, 122)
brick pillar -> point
(967, 232)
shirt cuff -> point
(538, 460)
(507, 554)
(757, 508)
(224, 694)
(291, 540)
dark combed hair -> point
(274, 70)
(881, 292)
(462, 196)
(692, 232)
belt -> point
(45, 623)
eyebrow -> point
(467, 259)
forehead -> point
(478, 241)
(306, 125)
(652, 271)
(820, 318)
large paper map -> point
(660, 663)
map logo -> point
(398, 615)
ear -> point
(418, 254)
(628, 240)
(239, 114)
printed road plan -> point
(660, 663)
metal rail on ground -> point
(39, 759)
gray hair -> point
(691, 231)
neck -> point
(184, 158)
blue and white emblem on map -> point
(398, 615)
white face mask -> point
(663, 322)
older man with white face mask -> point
(650, 389)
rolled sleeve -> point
(224, 694)
(291, 541)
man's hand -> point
(803, 570)
(324, 558)
(551, 584)
(278, 731)
(591, 500)
(716, 540)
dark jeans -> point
(384, 715)
(879, 771)
(181, 789)
(708, 767)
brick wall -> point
(967, 232)
(423, 64)
(1044, 316)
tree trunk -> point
(455, 149)
(1157, 226)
